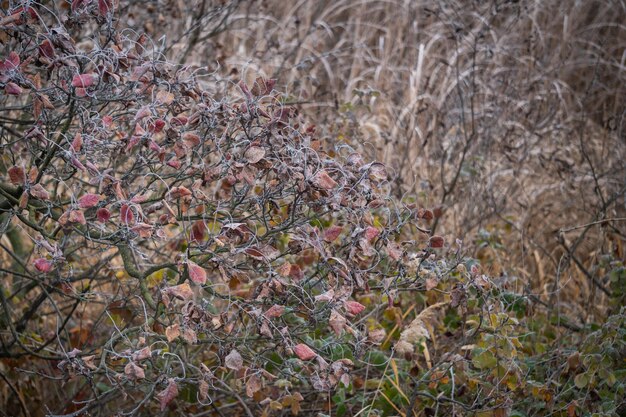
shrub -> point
(175, 243)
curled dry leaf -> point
(134, 371)
(337, 322)
(172, 332)
(253, 385)
(168, 394)
(141, 354)
(182, 291)
(326, 296)
(234, 360)
(304, 352)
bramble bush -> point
(171, 249)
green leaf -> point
(484, 360)
(581, 380)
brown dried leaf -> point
(304, 352)
(254, 154)
(134, 371)
(234, 360)
(168, 394)
(324, 181)
(196, 273)
(172, 332)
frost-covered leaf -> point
(233, 360)
(304, 352)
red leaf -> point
(332, 233)
(105, 6)
(84, 80)
(168, 394)
(196, 273)
(304, 352)
(12, 89)
(126, 214)
(17, 175)
(89, 200)
(46, 49)
(43, 265)
(323, 180)
(354, 307)
(103, 215)
(436, 242)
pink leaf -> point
(126, 214)
(77, 143)
(12, 89)
(354, 307)
(371, 233)
(196, 273)
(43, 265)
(84, 80)
(332, 233)
(89, 200)
(304, 352)
(17, 175)
(168, 394)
